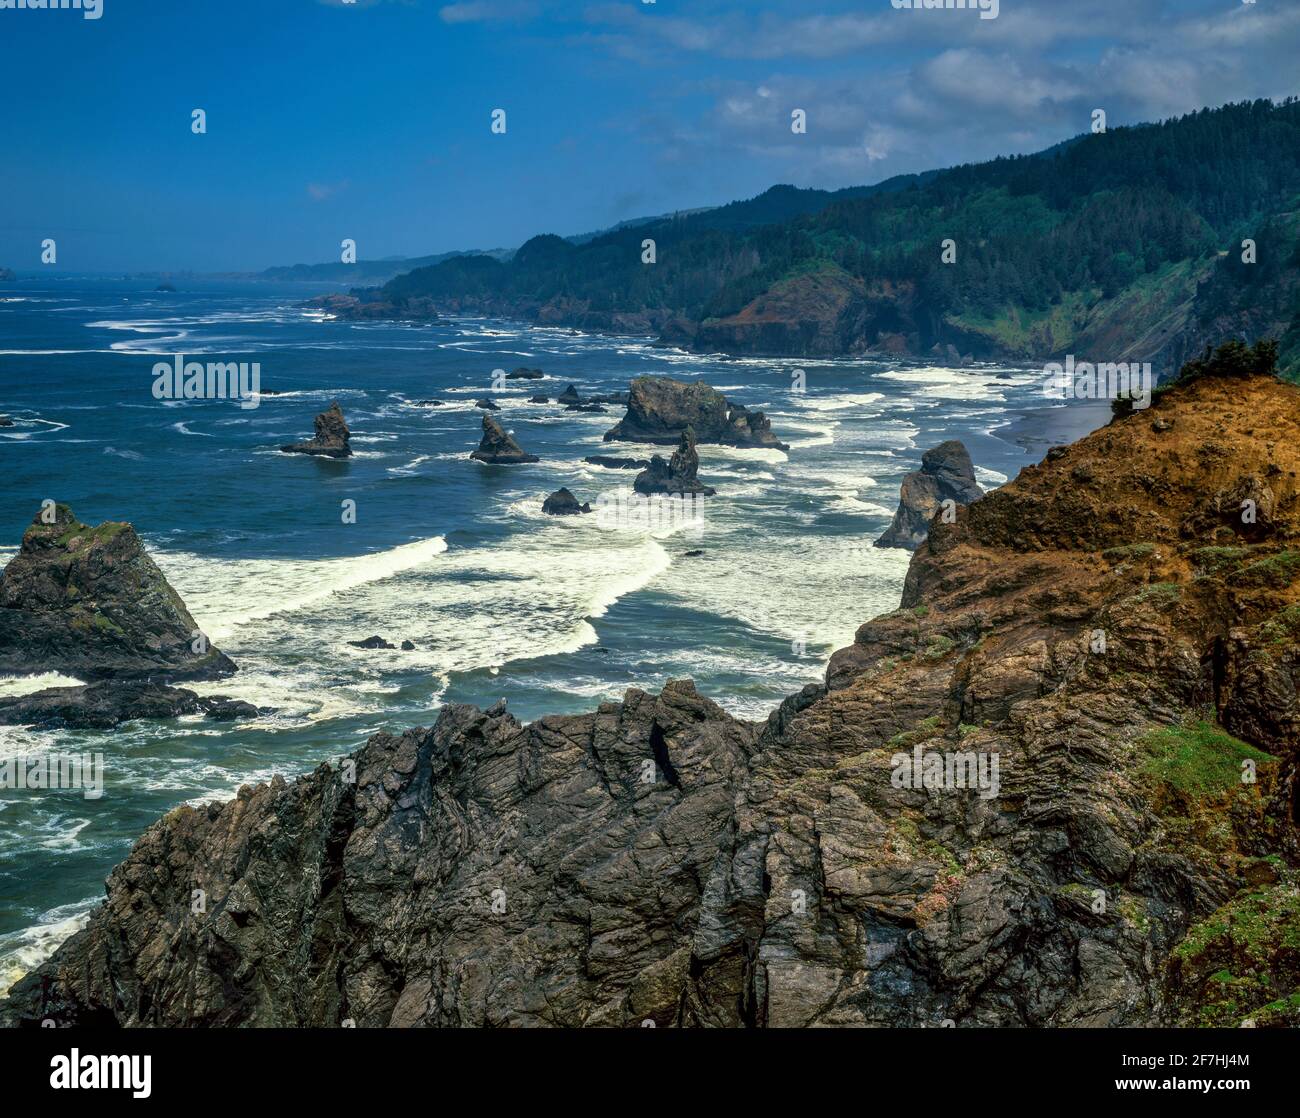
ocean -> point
(552, 614)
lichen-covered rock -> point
(89, 602)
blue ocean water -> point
(552, 614)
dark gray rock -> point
(331, 439)
(946, 473)
(660, 409)
(108, 703)
(498, 447)
(563, 503)
(677, 474)
(371, 642)
(617, 463)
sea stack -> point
(675, 476)
(332, 436)
(564, 503)
(89, 602)
(498, 447)
(660, 409)
(946, 474)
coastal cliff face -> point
(1112, 639)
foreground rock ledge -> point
(485, 872)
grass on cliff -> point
(1198, 760)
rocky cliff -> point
(1055, 787)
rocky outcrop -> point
(616, 463)
(103, 705)
(331, 439)
(564, 503)
(1018, 800)
(946, 474)
(659, 410)
(524, 373)
(499, 447)
(569, 396)
(374, 306)
(371, 642)
(89, 602)
(677, 474)
(486, 404)
(5, 421)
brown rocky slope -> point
(1107, 624)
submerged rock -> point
(500, 448)
(486, 404)
(331, 439)
(539, 399)
(5, 421)
(89, 602)
(563, 503)
(525, 374)
(677, 475)
(371, 642)
(660, 409)
(946, 473)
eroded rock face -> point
(659, 410)
(89, 602)
(677, 475)
(946, 473)
(499, 447)
(660, 860)
(331, 439)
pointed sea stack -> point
(331, 439)
(946, 473)
(89, 602)
(498, 447)
(677, 475)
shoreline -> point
(1039, 429)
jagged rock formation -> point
(569, 396)
(103, 705)
(332, 436)
(677, 475)
(89, 602)
(498, 447)
(1100, 625)
(946, 473)
(660, 409)
(564, 503)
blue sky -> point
(372, 120)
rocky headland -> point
(354, 308)
(331, 439)
(946, 474)
(497, 446)
(1112, 640)
(660, 409)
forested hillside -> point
(1120, 245)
